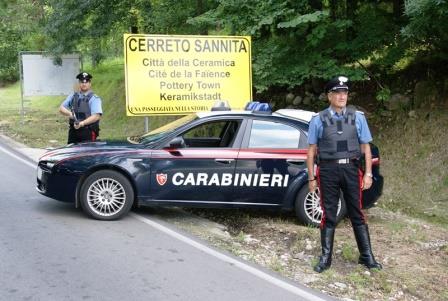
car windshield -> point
(160, 132)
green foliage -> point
(383, 95)
(20, 22)
(96, 27)
(244, 17)
(314, 17)
(358, 279)
(294, 41)
(171, 16)
(428, 25)
(373, 33)
(9, 48)
(349, 253)
(88, 26)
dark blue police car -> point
(225, 159)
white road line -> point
(17, 157)
(305, 295)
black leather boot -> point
(326, 240)
(365, 250)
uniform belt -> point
(341, 161)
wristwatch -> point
(369, 174)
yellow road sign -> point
(174, 74)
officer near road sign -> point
(338, 136)
(84, 111)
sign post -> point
(177, 75)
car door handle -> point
(224, 161)
(295, 161)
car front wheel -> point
(106, 195)
(308, 209)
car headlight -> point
(48, 164)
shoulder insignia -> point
(360, 112)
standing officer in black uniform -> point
(338, 136)
(84, 111)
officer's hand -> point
(312, 185)
(366, 182)
(78, 125)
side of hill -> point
(414, 160)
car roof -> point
(301, 115)
(218, 113)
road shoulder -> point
(29, 152)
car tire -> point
(106, 195)
(308, 209)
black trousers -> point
(334, 178)
(84, 134)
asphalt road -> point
(52, 251)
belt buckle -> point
(343, 161)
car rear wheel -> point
(308, 209)
(106, 195)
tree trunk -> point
(398, 6)
(315, 4)
(350, 10)
(333, 9)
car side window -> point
(268, 134)
(212, 134)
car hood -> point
(89, 148)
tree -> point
(96, 27)
(20, 25)
(296, 41)
(427, 28)
(88, 25)
(170, 16)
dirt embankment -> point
(414, 253)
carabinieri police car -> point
(221, 159)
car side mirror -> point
(177, 142)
